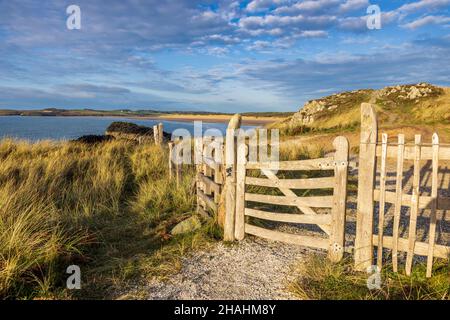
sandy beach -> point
(246, 120)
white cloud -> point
(350, 5)
(308, 6)
(427, 20)
(314, 34)
(261, 5)
(424, 4)
(272, 21)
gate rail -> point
(332, 224)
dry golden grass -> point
(107, 207)
(319, 279)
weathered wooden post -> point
(337, 234)
(366, 181)
(178, 162)
(230, 178)
(160, 133)
(239, 231)
(198, 159)
(434, 195)
(155, 134)
(170, 160)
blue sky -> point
(225, 55)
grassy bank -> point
(107, 208)
(319, 279)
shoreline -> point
(246, 120)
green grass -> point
(319, 279)
(108, 208)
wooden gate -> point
(209, 177)
(420, 154)
(333, 223)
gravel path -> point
(254, 269)
(258, 269)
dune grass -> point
(107, 207)
(319, 279)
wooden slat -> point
(198, 150)
(382, 206)
(443, 203)
(414, 206)
(337, 235)
(200, 203)
(207, 188)
(205, 214)
(434, 190)
(170, 144)
(398, 200)
(208, 181)
(218, 159)
(312, 164)
(421, 248)
(313, 183)
(207, 159)
(286, 237)
(210, 162)
(289, 193)
(208, 200)
(315, 202)
(290, 218)
(426, 152)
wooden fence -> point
(207, 158)
(372, 153)
(209, 174)
(333, 224)
(222, 179)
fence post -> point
(178, 161)
(239, 231)
(366, 181)
(337, 234)
(230, 178)
(170, 160)
(160, 133)
(155, 134)
(179, 170)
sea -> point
(67, 128)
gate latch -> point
(336, 248)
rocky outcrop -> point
(134, 132)
(394, 95)
(410, 92)
(313, 109)
(94, 139)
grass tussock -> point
(107, 207)
(319, 279)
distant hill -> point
(128, 113)
(419, 104)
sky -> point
(217, 56)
